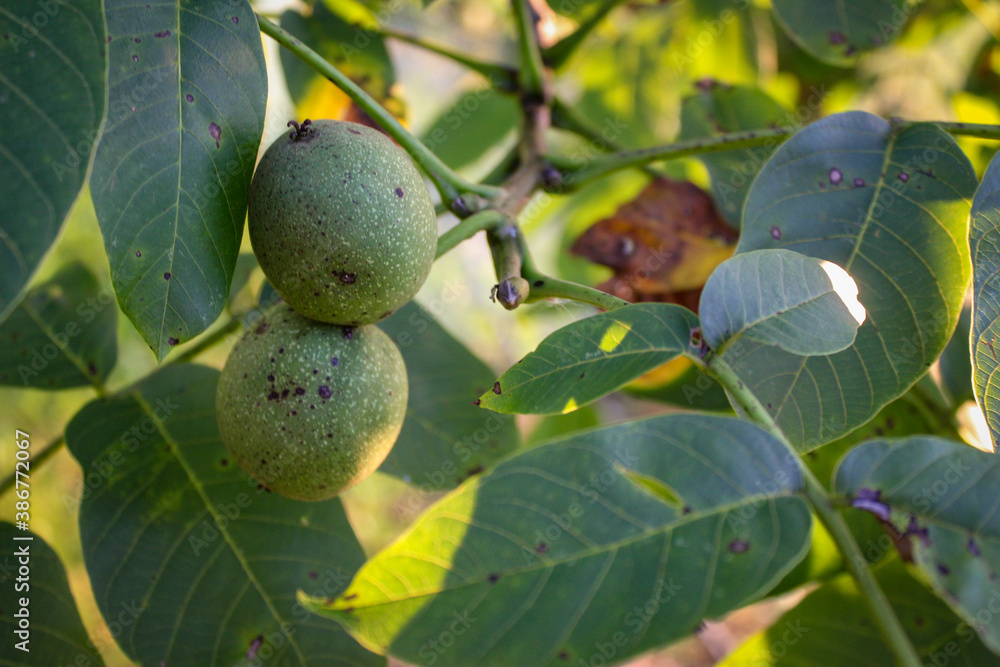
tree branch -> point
(576, 175)
(503, 77)
(532, 71)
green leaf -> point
(902, 417)
(839, 32)
(56, 635)
(476, 122)
(203, 559)
(359, 53)
(51, 105)
(445, 439)
(955, 363)
(62, 334)
(943, 495)
(560, 553)
(592, 357)
(778, 297)
(718, 109)
(889, 206)
(984, 238)
(834, 627)
(188, 88)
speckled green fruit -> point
(341, 223)
(309, 409)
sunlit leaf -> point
(188, 87)
(984, 237)
(778, 297)
(625, 537)
(203, 559)
(51, 105)
(592, 357)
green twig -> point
(466, 229)
(816, 494)
(559, 53)
(547, 287)
(502, 77)
(606, 164)
(577, 175)
(449, 184)
(37, 459)
(532, 71)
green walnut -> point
(341, 223)
(309, 409)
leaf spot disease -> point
(161, 35)
(496, 388)
(399, 192)
(739, 546)
(775, 233)
(324, 391)
(836, 176)
(166, 275)
(903, 176)
(870, 501)
(189, 98)
(216, 132)
(859, 182)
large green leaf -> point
(779, 297)
(62, 334)
(188, 88)
(592, 357)
(569, 550)
(834, 627)
(838, 32)
(718, 109)
(55, 634)
(944, 496)
(984, 238)
(889, 206)
(52, 75)
(445, 439)
(205, 560)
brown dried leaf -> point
(662, 245)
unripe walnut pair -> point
(313, 397)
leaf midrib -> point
(219, 520)
(682, 520)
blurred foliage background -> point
(627, 82)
